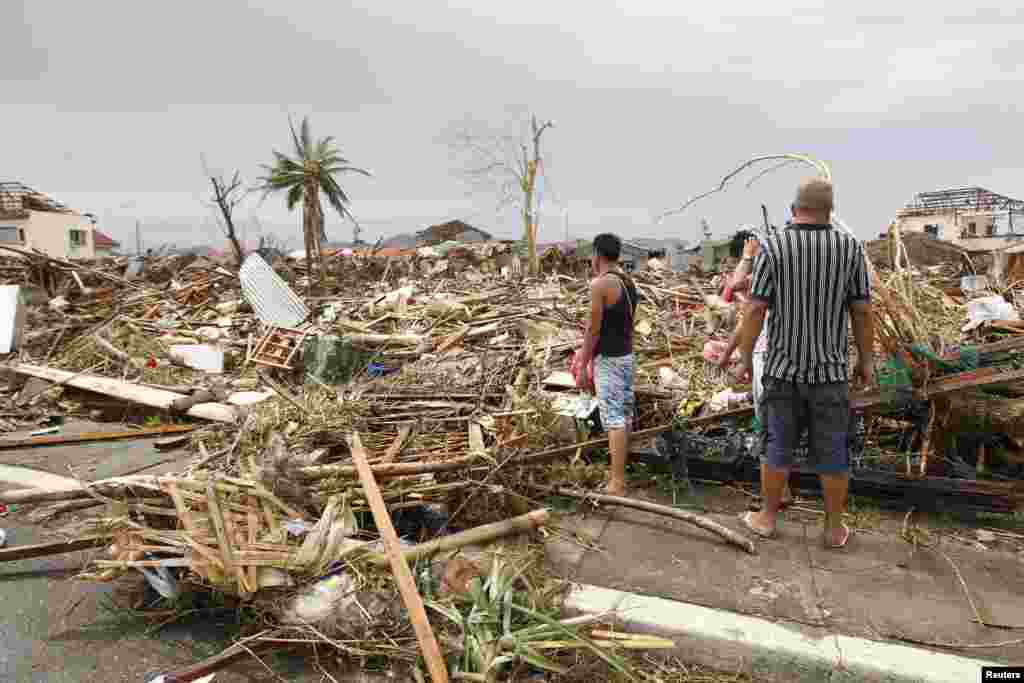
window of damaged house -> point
(972, 229)
(10, 234)
(79, 238)
(990, 229)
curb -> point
(723, 640)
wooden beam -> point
(27, 552)
(126, 391)
(399, 567)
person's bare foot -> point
(760, 523)
(787, 497)
(837, 537)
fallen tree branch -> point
(723, 532)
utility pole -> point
(138, 239)
(565, 217)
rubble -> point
(440, 374)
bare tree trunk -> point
(529, 226)
(226, 196)
(310, 229)
(529, 184)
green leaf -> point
(539, 661)
(613, 661)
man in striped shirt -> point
(811, 276)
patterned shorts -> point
(823, 410)
(613, 379)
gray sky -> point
(108, 105)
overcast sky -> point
(108, 105)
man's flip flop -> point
(841, 544)
(745, 518)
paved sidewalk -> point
(877, 588)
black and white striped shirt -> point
(809, 275)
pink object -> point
(713, 350)
(727, 294)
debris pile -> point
(405, 408)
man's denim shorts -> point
(613, 379)
(787, 408)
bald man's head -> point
(813, 202)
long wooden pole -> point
(399, 567)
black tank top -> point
(616, 338)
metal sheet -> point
(270, 297)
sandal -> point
(745, 518)
(841, 544)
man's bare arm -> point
(864, 336)
(596, 314)
(732, 345)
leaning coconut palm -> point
(313, 169)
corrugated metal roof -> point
(270, 297)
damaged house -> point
(31, 220)
(972, 218)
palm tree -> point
(303, 177)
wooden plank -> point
(947, 385)
(87, 437)
(399, 567)
(126, 391)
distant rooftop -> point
(962, 198)
(102, 239)
(17, 198)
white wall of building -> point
(61, 235)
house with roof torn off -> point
(972, 218)
(31, 220)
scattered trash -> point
(161, 581)
(727, 399)
(989, 309)
(200, 357)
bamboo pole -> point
(399, 567)
(725, 533)
(475, 536)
